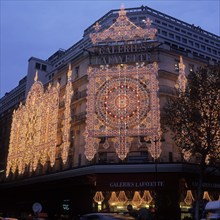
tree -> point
(193, 116)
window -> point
(37, 66)
(202, 47)
(141, 18)
(190, 43)
(176, 66)
(201, 55)
(184, 40)
(79, 159)
(167, 43)
(209, 49)
(191, 68)
(195, 36)
(77, 72)
(188, 51)
(195, 54)
(178, 38)
(170, 157)
(44, 67)
(215, 52)
(164, 33)
(171, 35)
(196, 45)
(133, 19)
(177, 29)
(174, 46)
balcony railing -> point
(167, 90)
(79, 117)
(79, 95)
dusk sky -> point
(39, 28)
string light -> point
(34, 129)
(137, 200)
(122, 198)
(147, 198)
(206, 196)
(113, 104)
(123, 30)
(113, 199)
(98, 198)
(67, 117)
(189, 198)
(122, 112)
(182, 80)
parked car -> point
(213, 210)
(106, 216)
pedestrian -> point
(144, 214)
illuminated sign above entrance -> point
(139, 184)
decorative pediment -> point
(123, 30)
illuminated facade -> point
(34, 130)
(92, 124)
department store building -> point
(88, 136)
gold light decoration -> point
(189, 198)
(122, 107)
(98, 198)
(182, 80)
(34, 129)
(122, 198)
(122, 100)
(137, 200)
(113, 199)
(186, 154)
(147, 198)
(67, 118)
(206, 196)
(123, 30)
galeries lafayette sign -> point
(136, 184)
(137, 181)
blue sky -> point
(39, 28)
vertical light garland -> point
(28, 143)
(67, 117)
(155, 136)
(106, 143)
(122, 142)
(182, 80)
(92, 142)
(138, 106)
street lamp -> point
(155, 156)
